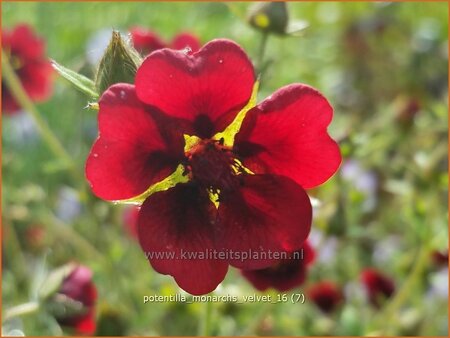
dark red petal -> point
(214, 83)
(285, 274)
(287, 135)
(268, 213)
(184, 40)
(181, 220)
(145, 41)
(78, 285)
(9, 104)
(130, 154)
(326, 295)
(378, 285)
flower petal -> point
(145, 41)
(269, 213)
(131, 153)
(175, 230)
(287, 135)
(184, 40)
(207, 88)
(284, 275)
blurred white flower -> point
(22, 128)
(385, 250)
(364, 181)
(325, 246)
(439, 285)
(68, 206)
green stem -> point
(205, 322)
(21, 310)
(406, 290)
(18, 92)
(262, 51)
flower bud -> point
(119, 64)
(70, 296)
(269, 17)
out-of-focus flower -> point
(26, 53)
(329, 246)
(79, 295)
(364, 181)
(269, 17)
(35, 236)
(406, 110)
(68, 206)
(326, 295)
(286, 274)
(378, 286)
(440, 258)
(130, 218)
(215, 171)
(273, 18)
(146, 41)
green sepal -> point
(53, 282)
(80, 82)
(118, 64)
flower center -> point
(213, 166)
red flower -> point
(378, 286)
(79, 287)
(440, 258)
(326, 295)
(207, 200)
(26, 53)
(146, 41)
(130, 218)
(286, 274)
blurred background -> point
(384, 68)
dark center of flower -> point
(213, 166)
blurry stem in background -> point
(262, 50)
(406, 290)
(205, 320)
(258, 318)
(20, 310)
(19, 94)
(18, 256)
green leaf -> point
(81, 82)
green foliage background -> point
(369, 59)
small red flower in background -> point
(26, 53)
(174, 140)
(326, 295)
(78, 286)
(130, 218)
(284, 275)
(378, 286)
(440, 258)
(145, 41)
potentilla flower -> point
(326, 295)
(146, 41)
(214, 171)
(78, 287)
(26, 53)
(378, 286)
(286, 274)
